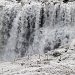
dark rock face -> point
(56, 54)
(65, 1)
(18, 0)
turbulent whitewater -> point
(35, 27)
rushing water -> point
(35, 27)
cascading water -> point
(35, 27)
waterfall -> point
(35, 27)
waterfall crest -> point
(35, 27)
